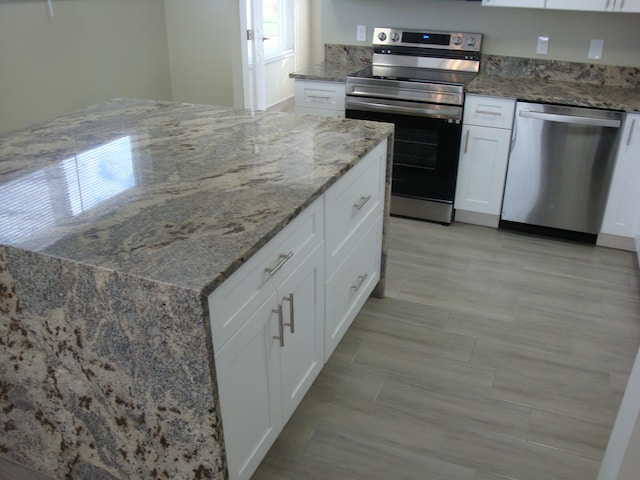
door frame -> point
(254, 74)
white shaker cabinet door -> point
(250, 392)
(301, 297)
(623, 205)
(482, 169)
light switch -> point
(595, 49)
(361, 33)
(543, 45)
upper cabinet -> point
(582, 5)
(514, 3)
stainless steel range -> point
(416, 81)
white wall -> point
(90, 51)
(507, 31)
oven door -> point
(425, 154)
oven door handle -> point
(446, 113)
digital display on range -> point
(426, 38)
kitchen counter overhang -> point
(117, 221)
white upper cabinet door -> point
(514, 3)
(585, 5)
(623, 206)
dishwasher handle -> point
(573, 119)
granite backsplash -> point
(514, 67)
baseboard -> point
(475, 218)
(616, 241)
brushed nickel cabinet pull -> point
(283, 259)
(361, 278)
(466, 142)
(291, 323)
(488, 112)
(362, 202)
(633, 124)
(280, 335)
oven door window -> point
(425, 154)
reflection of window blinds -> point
(99, 174)
(44, 198)
(25, 207)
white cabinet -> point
(354, 209)
(277, 350)
(268, 320)
(585, 5)
(630, 6)
(320, 98)
(622, 215)
(514, 3)
(484, 153)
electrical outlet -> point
(595, 49)
(361, 33)
(543, 45)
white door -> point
(252, 42)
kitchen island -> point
(116, 224)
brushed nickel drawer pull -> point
(362, 202)
(488, 112)
(280, 335)
(282, 260)
(291, 323)
(361, 278)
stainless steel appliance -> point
(560, 168)
(416, 81)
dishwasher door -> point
(560, 167)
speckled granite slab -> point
(115, 223)
(340, 62)
(569, 83)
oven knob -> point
(395, 37)
(457, 40)
(382, 36)
(471, 42)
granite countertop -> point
(175, 193)
(328, 71)
(555, 91)
(527, 79)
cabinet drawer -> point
(350, 286)
(489, 111)
(254, 281)
(356, 199)
(323, 95)
(319, 112)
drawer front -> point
(319, 112)
(489, 111)
(350, 286)
(323, 95)
(355, 200)
(233, 302)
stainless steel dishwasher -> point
(559, 170)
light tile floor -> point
(494, 355)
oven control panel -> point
(383, 36)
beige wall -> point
(199, 34)
(507, 31)
(90, 51)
